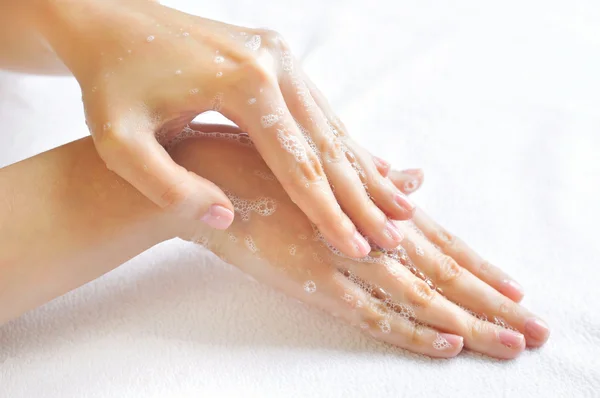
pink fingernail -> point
(382, 164)
(362, 247)
(218, 217)
(512, 288)
(453, 339)
(393, 231)
(411, 186)
(403, 201)
(415, 172)
(537, 329)
(511, 339)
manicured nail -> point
(393, 231)
(361, 245)
(453, 339)
(403, 201)
(218, 217)
(411, 185)
(382, 166)
(511, 339)
(537, 329)
(414, 172)
(512, 288)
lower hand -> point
(431, 295)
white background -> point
(498, 102)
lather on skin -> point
(67, 219)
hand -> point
(431, 295)
(146, 71)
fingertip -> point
(218, 217)
(537, 332)
(360, 245)
(407, 181)
(382, 166)
(512, 290)
(413, 172)
(449, 344)
(406, 205)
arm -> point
(66, 220)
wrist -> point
(77, 31)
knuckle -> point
(173, 197)
(445, 240)
(107, 137)
(415, 334)
(476, 328)
(111, 148)
(421, 294)
(338, 127)
(448, 270)
(259, 70)
(280, 47)
(507, 308)
(486, 268)
(306, 173)
(331, 147)
(374, 312)
(274, 39)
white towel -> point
(499, 103)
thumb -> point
(145, 164)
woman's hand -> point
(430, 295)
(147, 70)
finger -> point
(397, 284)
(408, 181)
(467, 257)
(141, 161)
(348, 187)
(282, 146)
(382, 322)
(386, 196)
(382, 166)
(461, 286)
(382, 191)
(323, 104)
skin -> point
(146, 70)
(84, 220)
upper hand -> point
(147, 70)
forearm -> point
(66, 219)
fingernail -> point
(414, 172)
(403, 201)
(512, 288)
(411, 185)
(537, 329)
(218, 217)
(393, 231)
(361, 245)
(511, 339)
(383, 165)
(453, 339)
